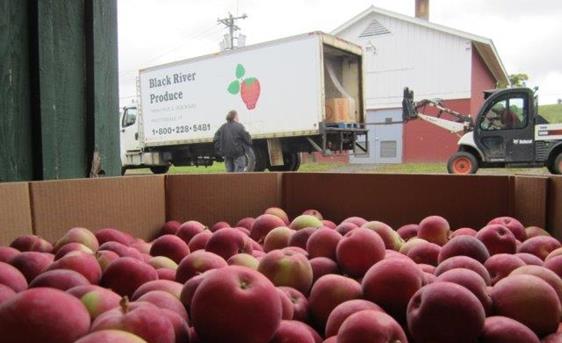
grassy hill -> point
(552, 113)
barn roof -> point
(484, 46)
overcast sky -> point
(527, 33)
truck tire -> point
(555, 166)
(159, 169)
(462, 163)
(292, 162)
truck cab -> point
(509, 132)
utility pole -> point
(230, 23)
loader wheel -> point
(555, 166)
(462, 163)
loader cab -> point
(504, 129)
(129, 131)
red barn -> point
(433, 60)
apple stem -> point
(124, 303)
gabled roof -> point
(484, 46)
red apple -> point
(99, 301)
(121, 250)
(31, 243)
(189, 229)
(328, 292)
(6, 293)
(286, 268)
(391, 283)
(236, 304)
(434, 229)
(32, 263)
(172, 287)
(322, 266)
(170, 246)
(305, 220)
(501, 265)
(358, 221)
(105, 257)
(345, 227)
(530, 258)
(358, 250)
(219, 225)
(498, 239)
(534, 231)
(471, 281)
(422, 251)
(459, 313)
(329, 223)
(464, 246)
(370, 326)
(554, 264)
(464, 231)
(264, 224)
(189, 289)
(299, 301)
(196, 263)
(199, 241)
(277, 238)
(288, 310)
(43, 315)
(513, 225)
(158, 262)
(170, 227)
(544, 273)
(62, 279)
(539, 246)
(7, 253)
(341, 312)
(113, 235)
(408, 231)
(463, 262)
(530, 301)
(142, 319)
(111, 336)
(81, 262)
(323, 243)
(246, 222)
(165, 300)
(498, 329)
(73, 246)
(78, 235)
(126, 274)
(278, 212)
(300, 237)
(245, 260)
(314, 213)
(227, 242)
(391, 238)
(295, 331)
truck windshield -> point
(129, 117)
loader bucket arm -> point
(409, 110)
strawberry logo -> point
(249, 88)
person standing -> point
(231, 141)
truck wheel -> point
(462, 163)
(159, 169)
(555, 167)
(292, 162)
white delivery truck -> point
(293, 95)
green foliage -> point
(519, 80)
(240, 71)
(234, 87)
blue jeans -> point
(235, 165)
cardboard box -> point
(339, 110)
(141, 204)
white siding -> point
(432, 63)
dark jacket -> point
(231, 139)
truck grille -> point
(541, 150)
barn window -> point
(374, 29)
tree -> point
(518, 80)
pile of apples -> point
(272, 279)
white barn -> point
(433, 60)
